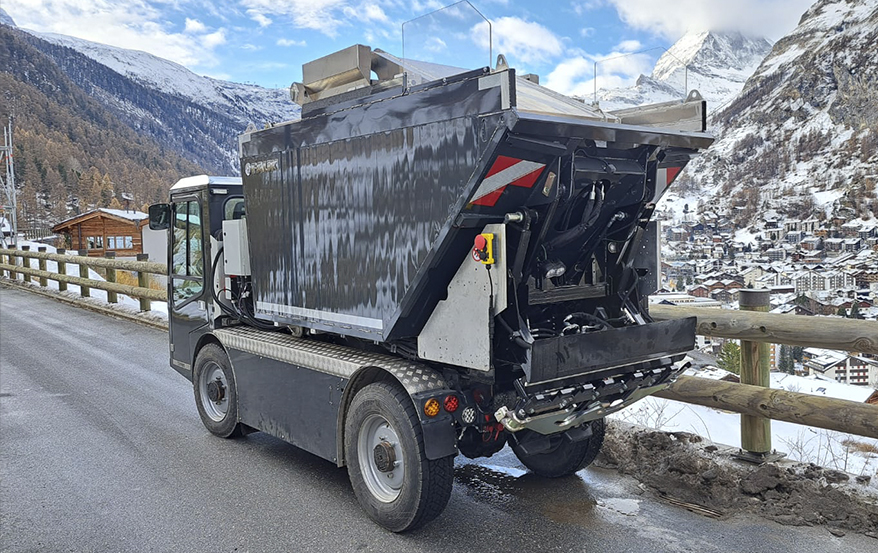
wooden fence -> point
(17, 264)
(748, 326)
(762, 402)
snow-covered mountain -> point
(715, 63)
(5, 18)
(197, 116)
(801, 140)
(244, 103)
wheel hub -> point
(384, 456)
(216, 391)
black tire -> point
(424, 486)
(566, 456)
(220, 417)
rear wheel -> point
(564, 456)
(215, 394)
(394, 482)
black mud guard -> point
(440, 436)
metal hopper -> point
(361, 214)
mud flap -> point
(440, 437)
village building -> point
(841, 367)
(102, 230)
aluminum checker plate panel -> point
(328, 358)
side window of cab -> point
(187, 261)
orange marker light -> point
(431, 408)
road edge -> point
(84, 304)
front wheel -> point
(394, 482)
(215, 394)
(565, 456)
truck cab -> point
(193, 218)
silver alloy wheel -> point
(376, 432)
(214, 390)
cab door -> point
(187, 298)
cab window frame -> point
(186, 276)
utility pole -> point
(10, 205)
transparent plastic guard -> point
(446, 42)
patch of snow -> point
(72, 269)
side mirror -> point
(159, 217)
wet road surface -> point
(101, 449)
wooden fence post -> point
(3, 257)
(143, 282)
(44, 281)
(112, 297)
(755, 368)
(84, 291)
(25, 262)
(62, 270)
(13, 274)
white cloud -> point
(520, 40)
(259, 18)
(576, 75)
(319, 15)
(435, 44)
(214, 39)
(366, 12)
(672, 18)
(134, 24)
(582, 6)
(194, 26)
(629, 46)
(291, 42)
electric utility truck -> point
(428, 264)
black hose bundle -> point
(240, 309)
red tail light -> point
(451, 403)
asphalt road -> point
(101, 450)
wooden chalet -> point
(102, 230)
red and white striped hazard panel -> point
(506, 171)
(664, 177)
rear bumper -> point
(610, 352)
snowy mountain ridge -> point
(801, 140)
(715, 63)
(242, 102)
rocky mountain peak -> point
(801, 139)
(716, 63)
(707, 52)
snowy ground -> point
(853, 454)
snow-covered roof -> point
(203, 180)
(130, 215)
(815, 385)
(133, 216)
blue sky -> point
(266, 41)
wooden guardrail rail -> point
(792, 330)
(756, 401)
(17, 262)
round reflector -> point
(431, 408)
